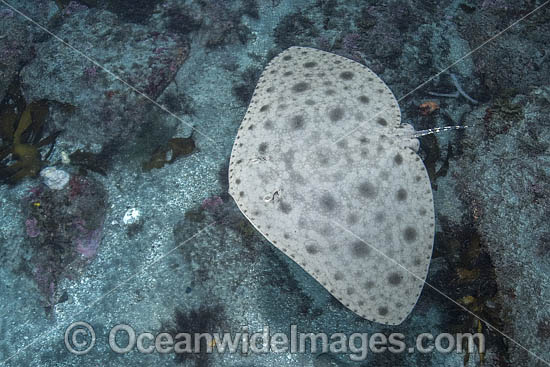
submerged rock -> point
(104, 108)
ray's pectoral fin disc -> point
(293, 182)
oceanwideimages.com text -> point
(80, 339)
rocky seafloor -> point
(144, 233)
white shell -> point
(54, 178)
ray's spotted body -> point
(292, 174)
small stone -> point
(65, 159)
(131, 216)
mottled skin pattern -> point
(323, 168)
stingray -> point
(323, 168)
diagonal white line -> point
(99, 65)
(116, 77)
(475, 49)
(448, 67)
(440, 292)
(337, 224)
(66, 267)
(396, 262)
(99, 299)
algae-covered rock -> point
(106, 109)
(505, 181)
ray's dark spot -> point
(338, 275)
(346, 75)
(368, 284)
(330, 92)
(287, 57)
(310, 64)
(336, 114)
(360, 249)
(382, 311)
(285, 207)
(264, 108)
(382, 122)
(352, 219)
(312, 249)
(327, 202)
(401, 194)
(398, 159)
(287, 73)
(262, 148)
(395, 278)
(367, 190)
(310, 102)
(268, 125)
(364, 99)
(300, 87)
(297, 122)
(342, 144)
(410, 234)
